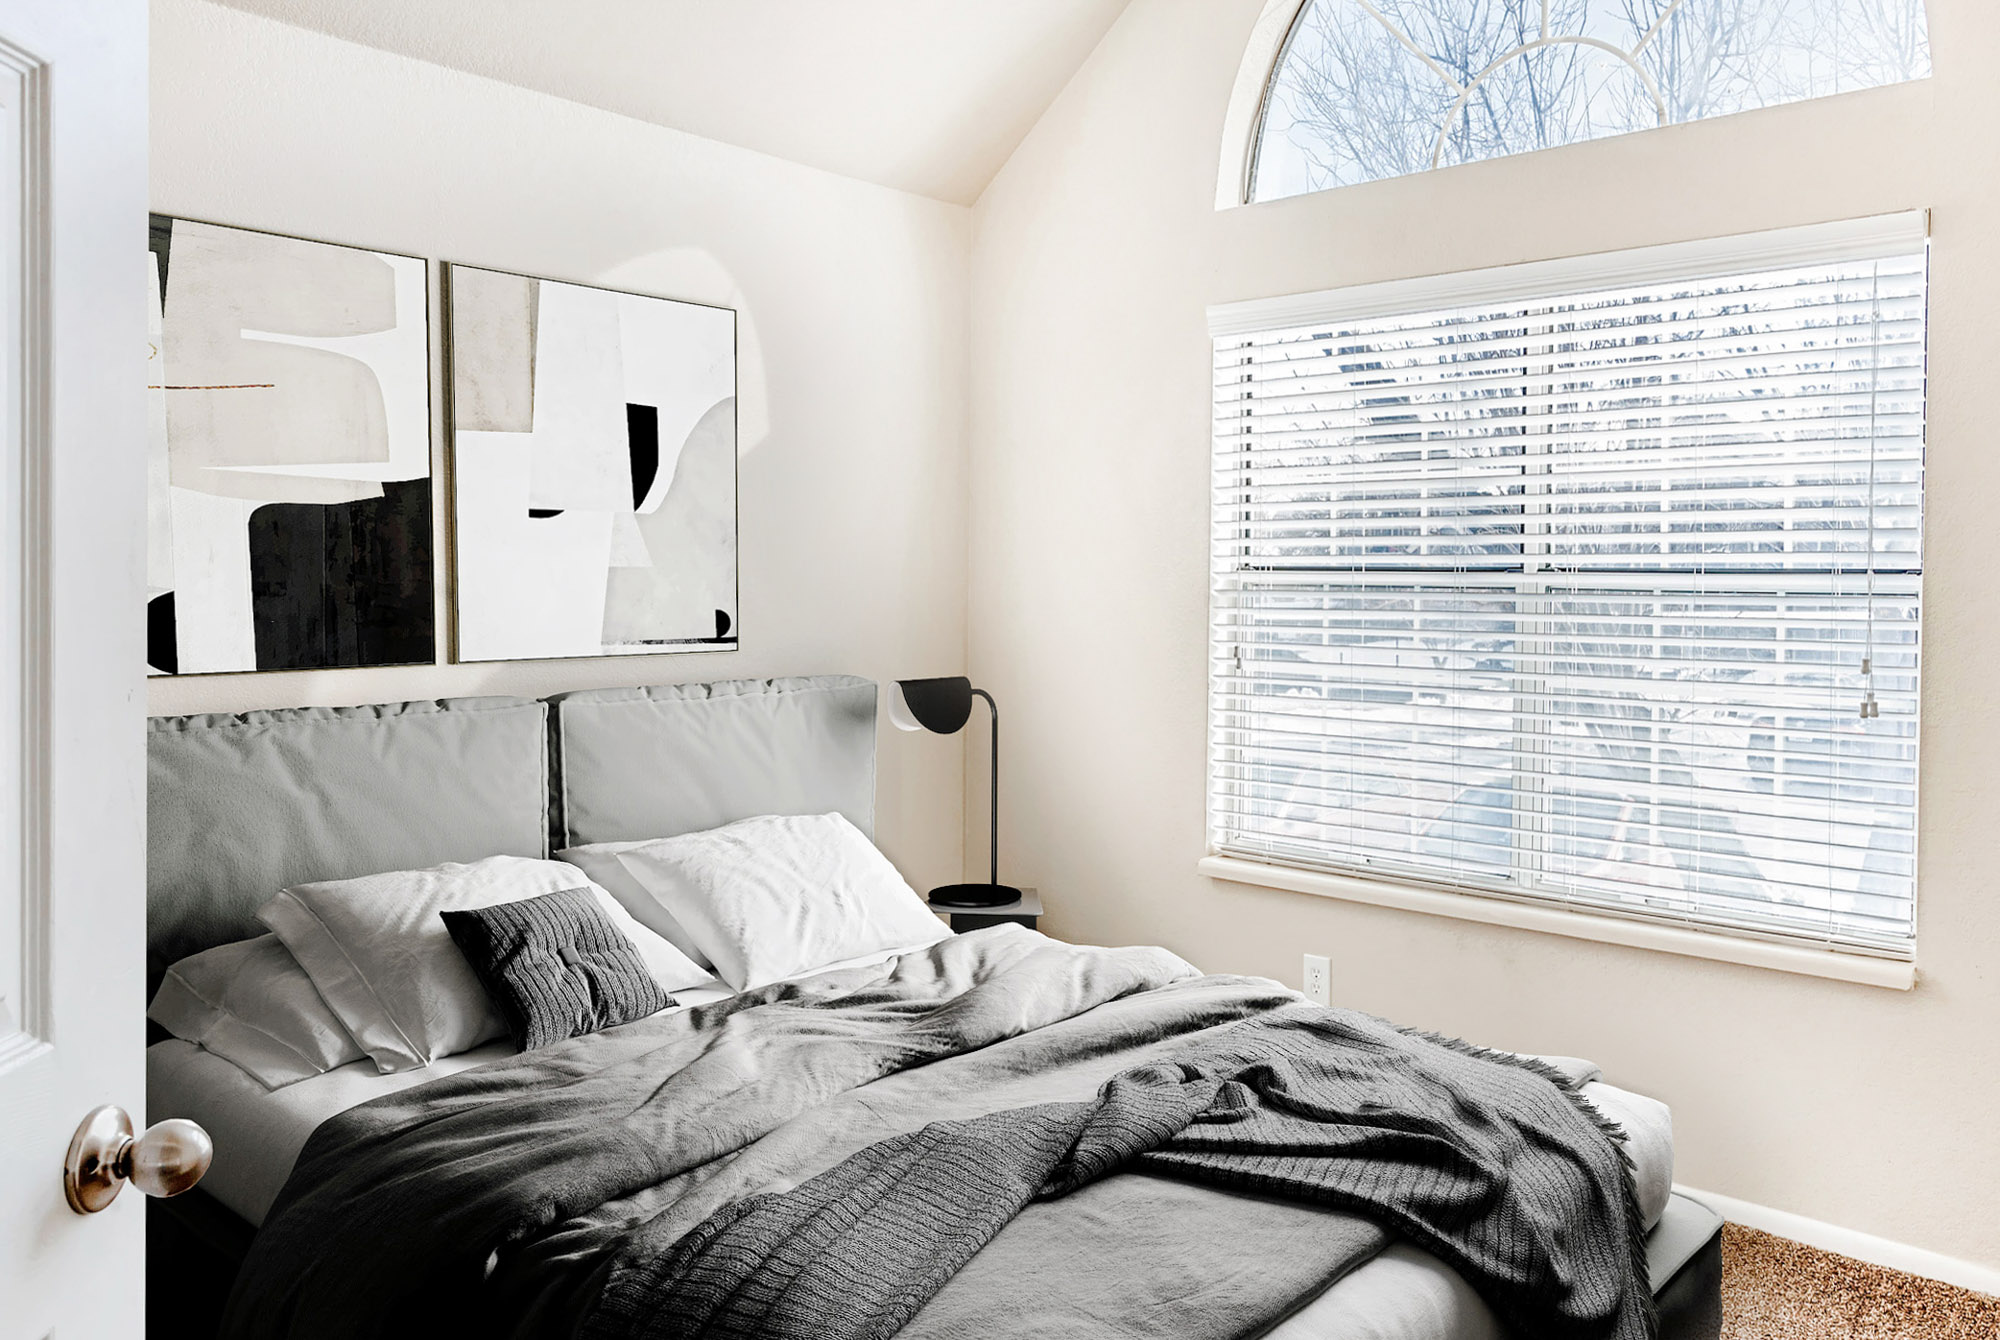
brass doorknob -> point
(166, 1160)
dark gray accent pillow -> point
(555, 966)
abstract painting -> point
(593, 470)
(288, 466)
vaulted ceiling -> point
(929, 96)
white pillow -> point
(380, 955)
(599, 860)
(773, 897)
(252, 1004)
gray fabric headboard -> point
(240, 806)
(645, 763)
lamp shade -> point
(942, 706)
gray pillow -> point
(555, 967)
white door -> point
(72, 692)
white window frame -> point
(1269, 48)
(1880, 236)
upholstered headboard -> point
(240, 806)
(643, 763)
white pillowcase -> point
(773, 897)
(381, 957)
(599, 860)
(252, 1004)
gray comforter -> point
(539, 1195)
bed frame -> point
(242, 805)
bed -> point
(243, 805)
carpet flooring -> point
(1775, 1289)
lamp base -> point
(974, 895)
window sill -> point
(1890, 973)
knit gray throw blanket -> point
(1486, 1160)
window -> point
(1365, 89)
(1593, 582)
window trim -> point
(1833, 964)
(1882, 235)
(1878, 235)
(1243, 122)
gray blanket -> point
(1485, 1160)
(510, 1197)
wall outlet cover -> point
(1318, 979)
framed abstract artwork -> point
(593, 470)
(288, 454)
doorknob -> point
(166, 1160)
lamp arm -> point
(993, 787)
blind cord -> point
(1870, 709)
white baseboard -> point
(1847, 1242)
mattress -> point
(1402, 1294)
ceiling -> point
(928, 96)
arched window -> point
(1365, 89)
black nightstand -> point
(1024, 911)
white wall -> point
(853, 328)
(1097, 250)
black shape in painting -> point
(642, 431)
(343, 583)
(721, 624)
(162, 640)
(159, 239)
(543, 513)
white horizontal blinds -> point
(1606, 597)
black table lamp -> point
(944, 706)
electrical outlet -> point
(1319, 979)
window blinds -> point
(1595, 583)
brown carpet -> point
(1775, 1289)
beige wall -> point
(1095, 254)
(853, 319)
